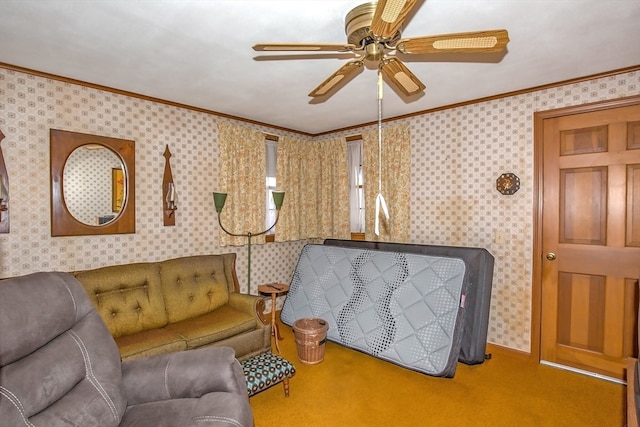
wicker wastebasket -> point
(311, 336)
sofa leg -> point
(285, 384)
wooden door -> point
(591, 239)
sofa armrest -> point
(251, 304)
(184, 374)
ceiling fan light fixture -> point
(373, 30)
(374, 52)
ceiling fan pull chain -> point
(380, 203)
(379, 130)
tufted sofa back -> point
(193, 286)
(128, 297)
(137, 297)
(58, 363)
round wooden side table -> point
(274, 289)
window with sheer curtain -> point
(356, 188)
(271, 156)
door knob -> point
(551, 256)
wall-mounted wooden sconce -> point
(4, 192)
(169, 194)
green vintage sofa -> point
(178, 304)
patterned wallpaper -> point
(456, 156)
(30, 106)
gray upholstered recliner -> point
(59, 366)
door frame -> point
(538, 181)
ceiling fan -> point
(374, 30)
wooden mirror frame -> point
(63, 223)
(4, 181)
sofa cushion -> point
(149, 343)
(128, 297)
(193, 286)
(222, 323)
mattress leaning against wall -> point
(405, 308)
(478, 302)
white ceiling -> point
(199, 53)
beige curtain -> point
(290, 177)
(242, 177)
(395, 182)
(332, 172)
(314, 177)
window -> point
(272, 152)
(356, 192)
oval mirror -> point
(92, 184)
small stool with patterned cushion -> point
(267, 369)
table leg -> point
(274, 327)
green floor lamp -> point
(220, 198)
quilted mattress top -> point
(401, 307)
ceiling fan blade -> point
(471, 42)
(342, 75)
(304, 47)
(397, 73)
(389, 17)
